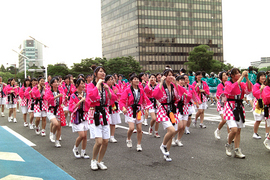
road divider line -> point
(23, 139)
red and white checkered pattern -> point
(24, 102)
(85, 116)
(14, 99)
(37, 107)
(254, 103)
(130, 112)
(29, 104)
(162, 114)
(185, 110)
(51, 110)
(219, 108)
(92, 121)
(118, 111)
(227, 112)
(204, 98)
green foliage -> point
(264, 69)
(6, 76)
(57, 70)
(200, 59)
(2, 68)
(122, 65)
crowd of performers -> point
(95, 102)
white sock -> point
(75, 148)
(187, 128)
(112, 136)
(163, 145)
(156, 131)
(82, 151)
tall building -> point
(160, 32)
(265, 62)
(34, 51)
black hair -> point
(132, 76)
(190, 73)
(183, 70)
(40, 79)
(203, 73)
(197, 73)
(234, 71)
(107, 77)
(261, 73)
(88, 75)
(81, 75)
(152, 75)
(67, 77)
(24, 82)
(250, 68)
(221, 74)
(180, 77)
(166, 72)
(59, 76)
(78, 82)
(140, 76)
(53, 79)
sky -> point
(72, 30)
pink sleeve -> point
(256, 91)
(26, 93)
(123, 99)
(266, 95)
(146, 102)
(219, 90)
(159, 94)
(206, 88)
(92, 93)
(21, 92)
(49, 96)
(8, 89)
(188, 97)
(35, 92)
(147, 91)
(113, 98)
(72, 102)
(231, 89)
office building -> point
(34, 51)
(160, 32)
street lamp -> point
(24, 62)
(46, 68)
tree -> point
(2, 68)
(122, 65)
(264, 69)
(57, 70)
(201, 59)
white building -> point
(34, 51)
(265, 61)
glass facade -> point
(160, 32)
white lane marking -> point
(123, 127)
(23, 139)
(12, 176)
(9, 156)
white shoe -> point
(18, 111)
(238, 153)
(94, 165)
(156, 135)
(31, 126)
(202, 126)
(43, 132)
(139, 147)
(135, 131)
(9, 119)
(70, 125)
(101, 166)
(52, 138)
(179, 143)
(2, 114)
(212, 104)
(76, 153)
(266, 135)
(228, 148)
(25, 124)
(187, 131)
(66, 124)
(194, 123)
(60, 139)
(266, 143)
(145, 122)
(37, 131)
(57, 144)
(113, 140)
(173, 142)
(256, 136)
(167, 158)
(129, 143)
(164, 150)
(217, 134)
(14, 120)
(150, 131)
(84, 156)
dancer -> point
(24, 100)
(12, 92)
(2, 96)
(101, 97)
(79, 105)
(234, 111)
(28, 94)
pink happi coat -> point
(37, 98)
(8, 90)
(202, 96)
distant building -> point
(34, 51)
(265, 61)
(160, 32)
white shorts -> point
(51, 116)
(133, 120)
(233, 123)
(166, 124)
(258, 117)
(153, 110)
(65, 108)
(2, 101)
(40, 114)
(220, 112)
(191, 110)
(267, 121)
(250, 97)
(9, 106)
(100, 131)
(24, 109)
(213, 95)
(115, 119)
(203, 106)
(83, 126)
(183, 117)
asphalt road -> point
(201, 157)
